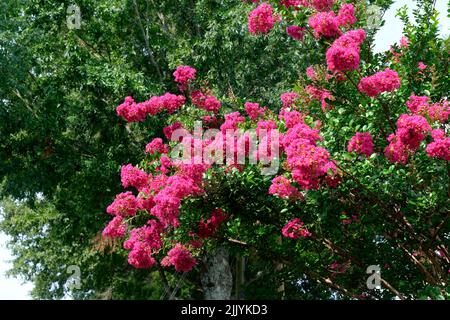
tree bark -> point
(217, 280)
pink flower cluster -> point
(420, 105)
(307, 162)
(207, 228)
(361, 143)
(294, 229)
(296, 32)
(422, 66)
(183, 76)
(231, 121)
(404, 42)
(320, 95)
(205, 101)
(180, 257)
(383, 81)
(143, 242)
(440, 147)
(131, 111)
(168, 102)
(346, 15)
(411, 131)
(311, 73)
(116, 228)
(321, 5)
(265, 126)
(136, 112)
(343, 55)
(291, 118)
(125, 204)
(283, 188)
(183, 184)
(289, 99)
(254, 111)
(292, 3)
(395, 151)
(133, 177)
(261, 19)
(326, 24)
(159, 196)
(416, 104)
(169, 130)
(156, 146)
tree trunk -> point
(217, 280)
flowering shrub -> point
(397, 200)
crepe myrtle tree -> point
(348, 173)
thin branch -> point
(146, 41)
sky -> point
(391, 32)
(10, 288)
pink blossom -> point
(141, 258)
(148, 236)
(324, 24)
(254, 111)
(142, 243)
(125, 204)
(420, 105)
(210, 120)
(346, 15)
(417, 103)
(361, 143)
(282, 188)
(396, 151)
(156, 145)
(261, 19)
(321, 5)
(292, 3)
(207, 228)
(343, 55)
(294, 229)
(184, 75)
(133, 177)
(320, 95)
(307, 162)
(289, 99)
(116, 228)
(231, 121)
(180, 257)
(168, 102)
(311, 73)
(440, 147)
(382, 81)
(296, 32)
(439, 111)
(265, 126)
(422, 66)
(291, 118)
(168, 131)
(130, 111)
(404, 43)
(411, 130)
(205, 101)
